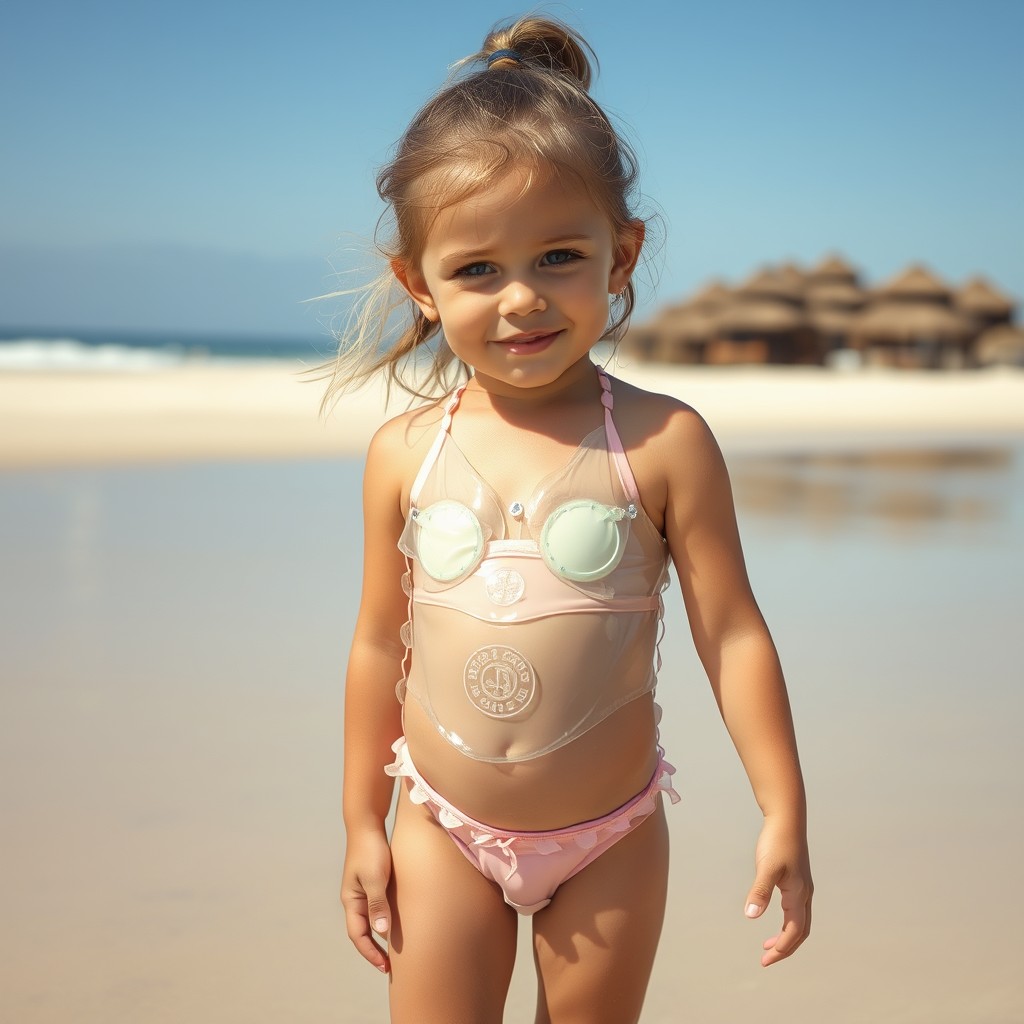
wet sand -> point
(172, 642)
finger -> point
(367, 911)
(359, 933)
(378, 912)
(795, 928)
(760, 894)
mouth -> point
(528, 343)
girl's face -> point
(520, 279)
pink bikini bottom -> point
(530, 866)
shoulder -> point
(399, 446)
(667, 426)
(407, 430)
(672, 452)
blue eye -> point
(559, 257)
(473, 270)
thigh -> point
(453, 937)
(594, 945)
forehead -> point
(520, 206)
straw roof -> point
(979, 296)
(831, 320)
(772, 284)
(836, 294)
(916, 282)
(685, 324)
(711, 296)
(903, 321)
(792, 276)
(832, 268)
(762, 316)
(714, 293)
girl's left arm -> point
(743, 667)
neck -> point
(577, 383)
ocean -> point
(81, 349)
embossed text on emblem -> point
(499, 681)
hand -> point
(781, 861)
(364, 885)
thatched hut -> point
(834, 297)
(765, 322)
(911, 323)
(680, 333)
(982, 303)
(1002, 345)
(831, 269)
(782, 314)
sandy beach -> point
(266, 410)
(181, 566)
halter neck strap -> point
(435, 449)
(614, 441)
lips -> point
(528, 343)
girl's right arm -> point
(372, 712)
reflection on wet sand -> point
(897, 487)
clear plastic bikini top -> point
(519, 644)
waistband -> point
(584, 833)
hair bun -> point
(541, 43)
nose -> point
(519, 298)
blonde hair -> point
(528, 108)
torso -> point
(603, 765)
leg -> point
(594, 945)
(453, 937)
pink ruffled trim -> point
(586, 836)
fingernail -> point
(382, 969)
(380, 926)
(752, 910)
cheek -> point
(465, 309)
(589, 294)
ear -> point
(413, 281)
(627, 253)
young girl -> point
(517, 540)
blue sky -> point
(197, 165)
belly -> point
(510, 692)
(587, 778)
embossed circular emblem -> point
(499, 681)
(505, 586)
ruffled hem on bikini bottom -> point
(481, 843)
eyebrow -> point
(460, 257)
